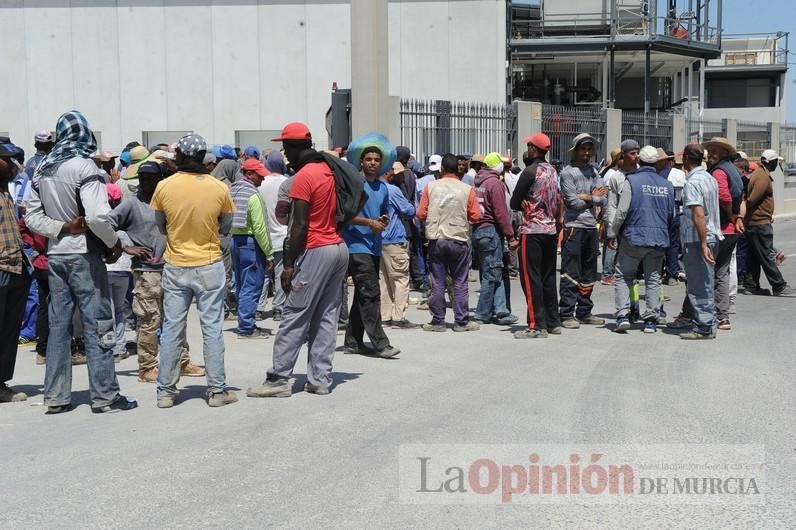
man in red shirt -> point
(722, 169)
(315, 264)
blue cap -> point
(124, 158)
(226, 151)
(252, 151)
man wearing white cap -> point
(643, 221)
(760, 230)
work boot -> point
(592, 320)
(78, 358)
(388, 353)
(165, 402)
(506, 320)
(680, 323)
(570, 323)
(278, 388)
(555, 330)
(470, 326)
(191, 370)
(219, 399)
(148, 375)
(531, 334)
(439, 328)
(319, 390)
(9, 395)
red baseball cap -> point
(294, 131)
(540, 140)
(252, 164)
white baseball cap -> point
(648, 154)
(743, 155)
(434, 163)
(770, 155)
(43, 136)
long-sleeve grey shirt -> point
(134, 222)
(53, 201)
(577, 212)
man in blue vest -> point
(642, 224)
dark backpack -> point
(349, 187)
(735, 182)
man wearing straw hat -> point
(583, 191)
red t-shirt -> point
(725, 197)
(314, 183)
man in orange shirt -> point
(448, 206)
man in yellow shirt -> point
(191, 208)
(251, 246)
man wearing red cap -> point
(538, 196)
(251, 246)
(315, 264)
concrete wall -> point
(217, 66)
(753, 114)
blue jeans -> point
(492, 299)
(700, 304)
(248, 262)
(180, 286)
(80, 280)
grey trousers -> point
(628, 259)
(723, 260)
(310, 315)
(279, 294)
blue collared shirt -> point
(397, 206)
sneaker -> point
(423, 305)
(9, 395)
(476, 318)
(681, 276)
(570, 323)
(506, 320)
(278, 388)
(219, 399)
(119, 357)
(680, 323)
(693, 335)
(388, 353)
(165, 402)
(439, 328)
(277, 315)
(531, 334)
(786, 290)
(191, 370)
(608, 280)
(403, 324)
(386, 323)
(556, 330)
(119, 404)
(592, 320)
(661, 321)
(359, 349)
(724, 324)
(650, 326)
(758, 291)
(78, 358)
(258, 333)
(470, 326)
(622, 324)
(25, 341)
(58, 409)
(149, 375)
(41, 359)
(319, 390)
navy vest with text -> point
(651, 209)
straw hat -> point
(721, 142)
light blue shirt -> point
(702, 190)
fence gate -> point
(438, 127)
(562, 124)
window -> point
(259, 139)
(741, 93)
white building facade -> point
(221, 67)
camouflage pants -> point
(148, 307)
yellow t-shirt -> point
(192, 204)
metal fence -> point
(787, 149)
(700, 130)
(562, 124)
(438, 126)
(753, 138)
(654, 128)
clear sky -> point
(766, 16)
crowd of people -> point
(92, 244)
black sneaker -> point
(58, 409)
(403, 324)
(786, 290)
(119, 404)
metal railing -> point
(429, 127)
(787, 149)
(700, 130)
(654, 128)
(563, 123)
(753, 137)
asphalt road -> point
(312, 461)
